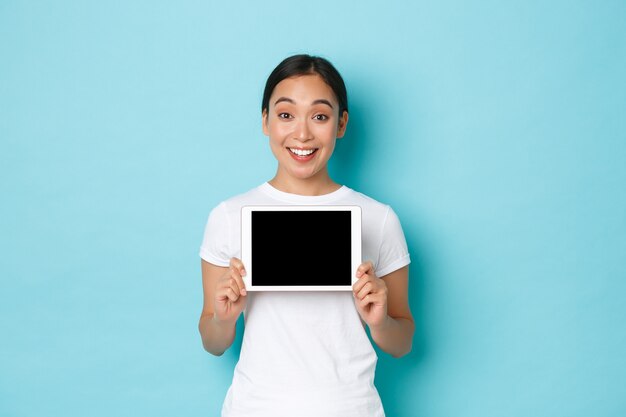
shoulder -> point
(232, 206)
(379, 217)
(382, 235)
(222, 230)
(371, 208)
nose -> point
(303, 131)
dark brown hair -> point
(307, 65)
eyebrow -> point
(323, 101)
(318, 101)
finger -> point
(375, 299)
(237, 280)
(365, 301)
(231, 294)
(232, 284)
(238, 265)
(364, 279)
(226, 293)
(367, 289)
(364, 268)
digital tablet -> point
(300, 248)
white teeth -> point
(302, 152)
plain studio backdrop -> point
(496, 130)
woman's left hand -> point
(370, 293)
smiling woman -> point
(305, 353)
(303, 123)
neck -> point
(320, 184)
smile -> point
(302, 152)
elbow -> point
(407, 346)
(401, 353)
(210, 347)
(207, 343)
(211, 350)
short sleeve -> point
(393, 253)
(215, 248)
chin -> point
(303, 176)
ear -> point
(266, 130)
(343, 123)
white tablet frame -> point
(246, 246)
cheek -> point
(277, 138)
(327, 132)
(277, 131)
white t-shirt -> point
(305, 353)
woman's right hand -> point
(230, 293)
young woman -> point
(306, 353)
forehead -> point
(303, 89)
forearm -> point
(216, 336)
(395, 336)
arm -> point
(224, 300)
(383, 304)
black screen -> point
(301, 248)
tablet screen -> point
(301, 248)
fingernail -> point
(243, 291)
(243, 272)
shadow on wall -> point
(232, 353)
(395, 378)
(351, 152)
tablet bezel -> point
(246, 246)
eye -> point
(284, 116)
(320, 117)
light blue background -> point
(497, 131)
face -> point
(303, 123)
